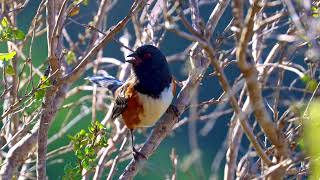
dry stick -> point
(98, 20)
(226, 87)
(71, 77)
(101, 32)
(84, 112)
(174, 160)
(254, 90)
(232, 152)
(192, 128)
(55, 37)
(14, 106)
(34, 23)
(116, 159)
(54, 40)
(237, 12)
(18, 153)
(22, 132)
(120, 135)
(13, 81)
(192, 132)
(241, 116)
(98, 24)
(123, 75)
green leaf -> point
(85, 163)
(39, 94)
(4, 22)
(70, 57)
(103, 141)
(7, 56)
(312, 138)
(82, 132)
(99, 125)
(301, 143)
(70, 137)
(18, 34)
(10, 70)
(79, 154)
(85, 2)
(310, 83)
(45, 82)
(91, 129)
(89, 150)
(31, 108)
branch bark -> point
(251, 77)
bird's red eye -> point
(147, 56)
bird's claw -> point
(137, 155)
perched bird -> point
(146, 95)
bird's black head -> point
(151, 68)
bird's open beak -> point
(133, 58)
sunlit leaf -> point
(89, 150)
(18, 34)
(39, 94)
(10, 70)
(85, 163)
(85, 2)
(70, 57)
(82, 132)
(4, 22)
(31, 108)
(310, 83)
(7, 56)
(312, 138)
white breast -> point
(154, 108)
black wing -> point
(119, 106)
(122, 95)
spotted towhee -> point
(147, 93)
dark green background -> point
(159, 165)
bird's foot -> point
(138, 155)
(174, 109)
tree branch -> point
(254, 90)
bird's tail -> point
(108, 82)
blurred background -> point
(211, 132)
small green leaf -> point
(18, 34)
(89, 151)
(82, 132)
(70, 57)
(103, 141)
(39, 94)
(4, 22)
(310, 83)
(45, 82)
(99, 125)
(70, 137)
(85, 2)
(7, 56)
(10, 70)
(85, 163)
(91, 129)
(31, 108)
(301, 143)
(79, 154)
